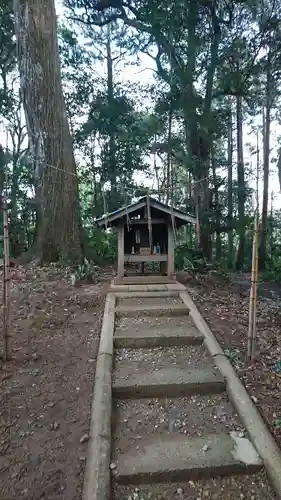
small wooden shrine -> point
(146, 233)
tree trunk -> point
(266, 151)
(241, 184)
(199, 138)
(14, 224)
(17, 135)
(2, 172)
(216, 200)
(169, 194)
(112, 163)
(229, 191)
(59, 230)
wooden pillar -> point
(120, 272)
(171, 252)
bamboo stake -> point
(6, 277)
(255, 293)
(271, 224)
(253, 296)
(254, 276)
(197, 221)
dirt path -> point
(173, 424)
(46, 390)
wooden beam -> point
(120, 232)
(177, 213)
(171, 252)
(145, 221)
(149, 223)
(146, 258)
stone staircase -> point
(175, 434)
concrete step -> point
(148, 287)
(170, 382)
(144, 280)
(152, 309)
(185, 459)
(134, 421)
(142, 323)
(147, 294)
(241, 486)
(159, 301)
(155, 337)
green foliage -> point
(234, 355)
(273, 268)
(201, 64)
(102, 246)
(85, 272)
(277, 423)
(7, 57)
(186, 259)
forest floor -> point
(224, 303)
(46, 390)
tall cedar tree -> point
(58, 234)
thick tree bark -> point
(241, 184)
(58, 233)
(229, 190)
(266, 152)
(198, 137)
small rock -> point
(254, 399)
(84, 438)
(205, 447)
(179, 491)
(113, 466)
(54, 426)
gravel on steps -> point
(145, 323)
(148, 301)
(254, 487)
(148, 360)
(135, 420)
